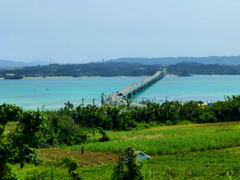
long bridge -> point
(121, 96)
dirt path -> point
(88, 158)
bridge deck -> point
(120, 96)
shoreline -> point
(69, 77)
(83, 77)
(53, 77)
(59, 77)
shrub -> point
(104, 135)
(72, 167)
(128, 167)
(19, 145)
(63, 130)
(44, 175)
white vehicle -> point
(142, 156)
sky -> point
(91, 30)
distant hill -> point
(90, 69)
(11, 64)
(227, 60)
(200, 68)
(8, 63)
(121, 69)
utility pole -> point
(83, 102)
(102, 99)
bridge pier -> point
(129, 95)
(134, 92)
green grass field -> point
(211, 164)
(199, 151)
(172, 139)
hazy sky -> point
(91, 30)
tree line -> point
(119, 69)
(203, 69)
(90, 69)
(72, 125)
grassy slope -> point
(211, 164)
(215, 164)
(190, 145)
(172, 140)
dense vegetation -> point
(91, 69)
(19, 146)
(198, 161)
(206, 69)
(119, 69)
(126, 118)
(128, 168)
(72, 125)
(22, 132)
(228, 60)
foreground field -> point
(201, 151)
(215, 164)
(211, 164)
(171, 139)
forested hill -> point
(13, 64)
(228, 60)
(91, 69)
(203, 69)
(120, 69)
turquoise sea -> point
(202, 87)
(54, 92)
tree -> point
(19, 145)
(7, 113)
(72, 167)
(128, 167)
(68, 105)
(104, 135)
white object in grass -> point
(142, 156)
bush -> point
(104, 135)
(63, 130)
(72, 167)
(19, 145)
(44, 175)
(128, 167)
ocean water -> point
(53, 93)
(202, 87)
